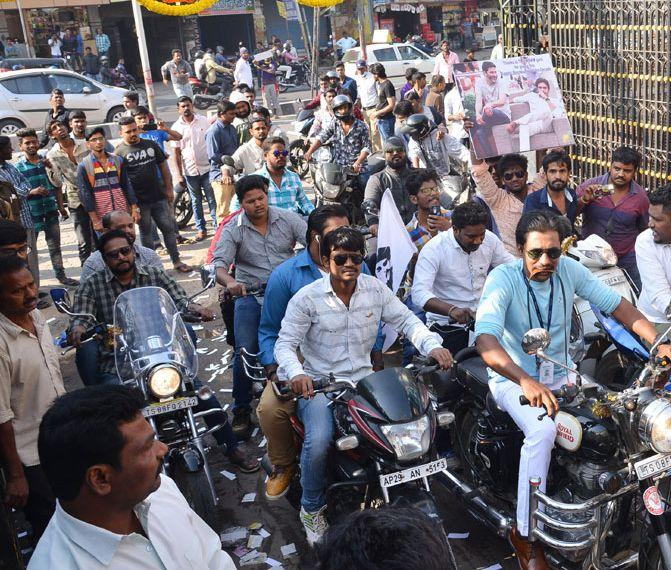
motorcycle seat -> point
(498, 415)
(473, 372)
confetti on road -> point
(204, 296)
(193, 274)
(288, 550)
(228, 475)
(226, 390)
(264, 533)
(494, 567)
(263, 442)
(233, 535)
(240, 551)
(273, 563)
(51, 320)
(253, 558)
(256, 430)
(255, 526)
(254, 541)
(201, 350)
(197, 327)
(212, 351)
(249, 498)
(458, 535)
(225, 407)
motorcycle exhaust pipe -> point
(489, 516)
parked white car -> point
(396, 58)
(24, 98)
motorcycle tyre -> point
(296, 152)
(201, 103)
(196, 491)
(182, 209)
(465, 423)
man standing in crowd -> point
(148, 172)
(267, 69)
(91, 66)
(346, 82)
(492, 107)
(222, 140)
(243, 111)
(618, 215)
(103, 43)
(243, 70)
(193, 165)
(131, 100)
(345, 43)
(44, 200)
(383, 115)
(178, 72)
(445, 61)
(158, 132)
(31, 380)
(58, 112)
(115, 509)
(249, 157)
(103, 183)
(466, 30)
(367, 91)
(653, 258)
(557, 196)
(256, 240)
(436, 96)
(64, 158)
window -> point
(26, 85)
(385, 54)
(71, 85)
(410, 53)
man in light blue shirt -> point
(538, 291)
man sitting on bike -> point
(97, 296)
(334, 322)
(538, 291)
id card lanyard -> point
(532, 296)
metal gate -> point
(613, 64)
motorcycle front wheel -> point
(196, 491)
(183, 209)
(296, 154)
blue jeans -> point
(246, 320)
(386, 127)
(199, 185)
(317, 418)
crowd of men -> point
(481, 257)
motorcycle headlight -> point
(654, 427)
(164, 381)
(331, 191)
(411, 440)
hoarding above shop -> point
(229, 8)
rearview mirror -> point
(61, 299)
(208, 276)
(87, 90)
(535, 341)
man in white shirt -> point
(367, 93)
(345, 43)
(115, 509)
(334, 321)
(454, 113)
(653, 257)
(250, 156)
(193, 163)
(451, 271)
(243, 70)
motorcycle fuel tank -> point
(580, 431)
(394, 393)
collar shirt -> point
(487, 93)
(221, 140)
(443, 67)
(103, 43)
(30, 380)
(289, 195)
(43, 209)
(255, 255)
(438, 154)
(243, 72)
(347, 146)
(654, 264)
(144, 256)
(366, 89)
(446, 272)
(542, 201)
(176, 539)
(420, 235)
(453, 105)
(64, 171)
(248, 158)
(346, 43)
(177, 71)
(9, 173)
(193, 146)
(333, 338)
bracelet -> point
(582, 199)
(449, 313)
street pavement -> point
(477, 548)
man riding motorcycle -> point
(334, 321)
(538, 291)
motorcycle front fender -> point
(413, 496)
(189, 459)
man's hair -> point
(104, 239)
(125, 120)
(558, 157)
(256, 118)
(659, 197)
(437, 79)
(11, 264)
(409, 73)
(487, 65)
(139, 111)
(389, 538)
(348, 239)
(537, 221)
(53, 123)
(417, 76)
(25, 133)
(57, 92)
(417, 177)
(4, 141)
(334, 91)
(224, 106)
(469, 214)
(378, 69)
(339, 64)
(626, 155)
(412, 95)
(184, 98)
(508, 161)
(173, 52)
(318, 217)
(95, 131)
(261, 110)
(249, 183)
(270, 141)
(11, 233)
(403, 108)
(542, 80)
(132, 95)
(78, 114)
(107, 218)
(81, 429)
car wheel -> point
(115, 113)
(10, 126)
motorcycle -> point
(205, 95)
(298, 147)
(182, 206)
(611, 449)
(300, 75)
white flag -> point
(395, 249)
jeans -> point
(317, 418)
(386, 127)
(246, 329)
(628, 263)
(83, 232)
(161, 213)
(199, 185)
(482, 134)
(52, 233)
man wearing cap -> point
(367, 92)
(243, 71)
(243, 110)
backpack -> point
(10, 203)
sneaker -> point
(244, 462)
(315, 524)
(242, 423)
(279, 481)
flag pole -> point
(144, 56)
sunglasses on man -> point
(537, 253)
(116, 253)
(278, 153)
(341, 258)
(517, 174)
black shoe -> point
(64, 280)
(246, 463)
(43, 303)
(242, 424)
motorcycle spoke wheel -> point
(183, 210)
(298, 162)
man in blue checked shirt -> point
(102, 42)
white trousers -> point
(539, 439)
(286, 69)
(531, 124)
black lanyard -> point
(530, 293)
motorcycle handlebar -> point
(317, 385)
(567, 393)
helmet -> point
(104, 59)
(200, 53)
(287, 45)
(342, 107)
(417, 126)
(332, 75)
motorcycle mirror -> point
(208, 276)
(61, 299)
(535, 341)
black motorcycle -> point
(300, 75)
(603, 507)
(182, 206)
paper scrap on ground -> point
(212, 351)
(458, 535)
(263, 442)
(255, 526)
(201, 350)
(256, 430)
(51, 320)
(193, 274)
(264, 533)
(254, 541)
(225, 407)
(254, 557)
(273, 563)
(249, 498)
(240, 551)
(494, 567)
(204, 296)
(197, 327)
(233, 535)
(288, 550)
(228, 475)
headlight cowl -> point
(654, 427)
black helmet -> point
(417, 126)
(200, 53)
(342, 107)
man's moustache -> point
(535, 271)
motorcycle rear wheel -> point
(296, 153)
(196, 491)
(183, 209)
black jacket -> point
(62, 116)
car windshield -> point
(351, 55)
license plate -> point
(426, 470)
(615, 280)
(653, 466)
(171, 406)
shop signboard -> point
(229, 8)
(291, 9)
